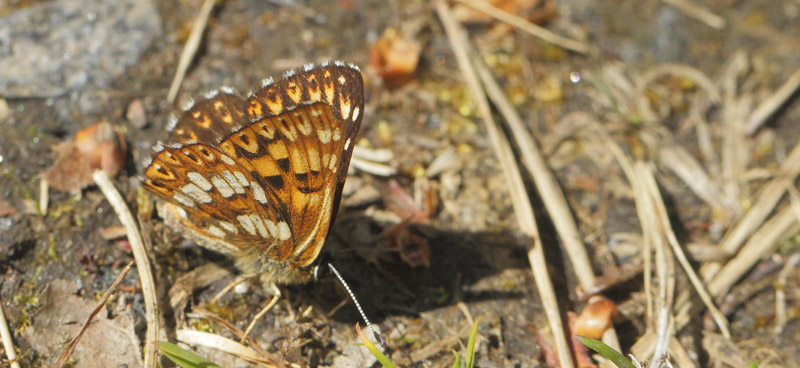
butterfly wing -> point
(262, 178)
(305, 126)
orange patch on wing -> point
(255, 109)
(266, 167)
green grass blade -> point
(457, 363)
(183, 357)
(614, 356)
(374, 350)
(470, 358)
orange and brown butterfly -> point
(260, 178)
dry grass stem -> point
(763, 205)
(705, 138)
(372, 168)
(64, 357)
(221, 343)
(772, 103)
(525, 25)
(381, 155)
(698, 12)
(548, 187)
(200, 312)
(679, 354)
(677, 250)
(44, 196)
(546, 183)
(763, 242)
(8, 342)
(142, 264)
(262, 312)
(647, 206)
(189, 50)
(683, 71)
(521, 203)
(780, 293)
(734, 157)
(688, 169)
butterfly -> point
(260, 179)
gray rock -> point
(58, 47)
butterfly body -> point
(260, 178)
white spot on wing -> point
(233, 182)
(227, 160)
(229, 227)
(182, 199)
(188, 105)
(247, 224)
(356, 111)
(182, 212)
(194, 192)
(324, 136)
(332, 162)
(347, 144)
(289, 73)
(273, 229)
(222, 186)
(266, 82)
(344, 107)
(308, 67)
(200, 180)
(284, 232)
(172, 122)
(242, 179)
(227, 90)
(211, 94)
(258, 193)
(213, 230)
(259, 223)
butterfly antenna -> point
(375, 333)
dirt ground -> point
(642, 82)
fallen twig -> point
(62, 359)
(8, 343)
(190, 48)
(142, 264)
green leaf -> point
(183, 357)
(614, 356)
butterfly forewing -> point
(262, 177)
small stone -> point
(136, 114)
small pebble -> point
(136, 114)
